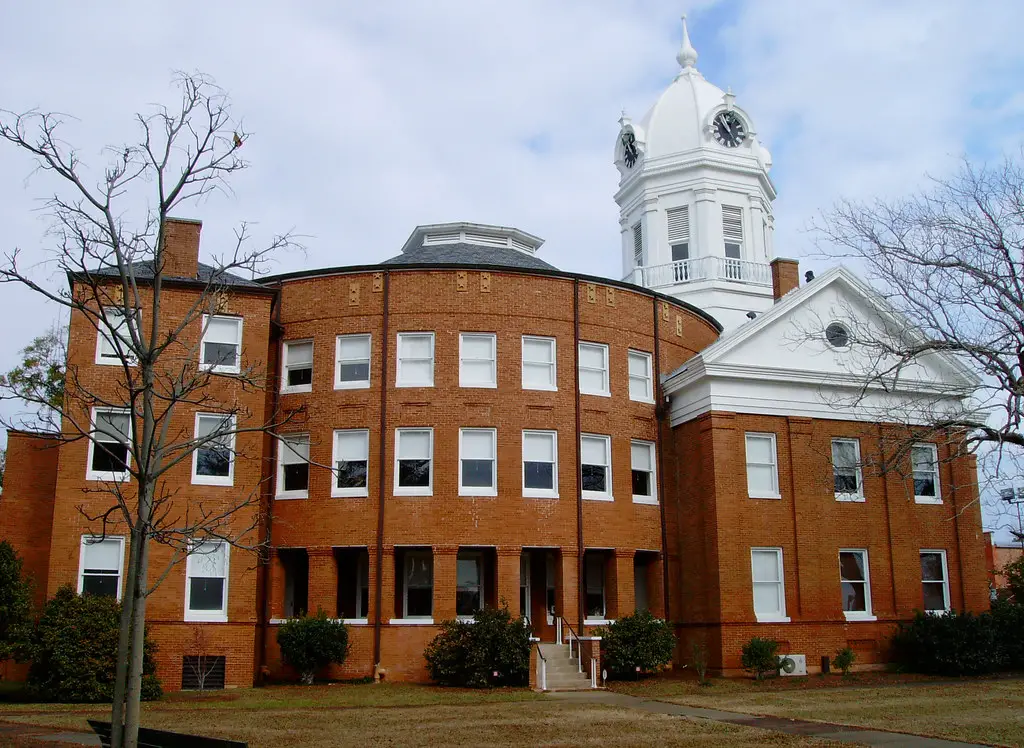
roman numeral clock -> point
(728, 129)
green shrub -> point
(1008, 619)
(311, 643)
(949, 644)
(638, 640)
(74, 650)
(844, 659)
(492, 650)
(761, 656)
(15, 603)
(1014, 572)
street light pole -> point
(1015, 496)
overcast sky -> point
(369, 118)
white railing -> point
(702, 269)
(572, 635)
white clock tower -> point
(695, 199)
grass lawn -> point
(401, 715)
(973, 710)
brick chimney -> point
(181, 247)
(785, 276)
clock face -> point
(629, 150)
(729, 129)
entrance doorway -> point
(538, 589)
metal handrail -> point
(543, 664)
(572, 635)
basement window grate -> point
(202, 672)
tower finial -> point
(687, 56)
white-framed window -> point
(414, 462)
(596, 466)
(415, 359)
(678, 223)
(478, 462)
(221, 350)
(352, 362)
(855, 580)
(101, 565)
(594, 585)
(924, 459)
(762, 467)
(645, 486)
(351, 460)
(478, 365)
(769, 586)
(641, 381)
(732, 233)
(206, 581)
(418, 584)
(846, 472)
(594, 369)
(297, 366)
(469, 583)
(934, 581)
(110, 445)
(293, 466)
(539, 363)
(540, 464)
(106, 350)
(213, 461)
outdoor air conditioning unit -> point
(793, 665)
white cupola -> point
(695, 198)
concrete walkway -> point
(825, 730)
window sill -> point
(354, 621)
(646, 500)
(291, 496)
(597, 497)
(771, 496)
(212, 480)
(412, 385)
(540, 495)
(411, 622)
(928, 500)
(352, 385)
(213, 369)
(415, 494)
(478, 386)
(206, 617)
(597, 622)
(851, 498)
(645, 401)
(296, 390)
(109, 477)
(358, 493)
(859, 616)
(772, 619)
(116, 362)
(540, 389)
(596, 394)
(478, 494)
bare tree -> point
(109, 237)
(200, 665)
(950, 261)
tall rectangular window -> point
(924, 460)
(762, 467)
(769, 588)
(213, 461)
(846, 472)
(856, 584)
(539, 363)
(100, 565)
(414, 458)
(678, 220)
(297, 375)
(112, 336)
(469, 583)
(596, 466)
(351, 460)
(352, 362)
(594, 369)
(293, 466)
(732, 232)
(110, 445)
(478, 462)
(934, 581)
(478, 360)
(353, 584)
(641, 382)
(540, 464)
(206, 582)
(415, 359)
(645, 489)
(594, 583)
(638, 245)
(221, 349)
(417, 584)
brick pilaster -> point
(508, 578)
(323, 581)
(444, 581)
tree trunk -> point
(133, 706)
(124, 644)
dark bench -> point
(164, 739)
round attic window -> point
(837, 335)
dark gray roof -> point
(469, 254)
(144, 271)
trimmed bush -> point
(949, 644)
(15, 603)
(1008, 619)
(761, 657)
(1014, 572)
(74, 651)
(638, 640)
(492, 650)
(311, 643)
(844, 659)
